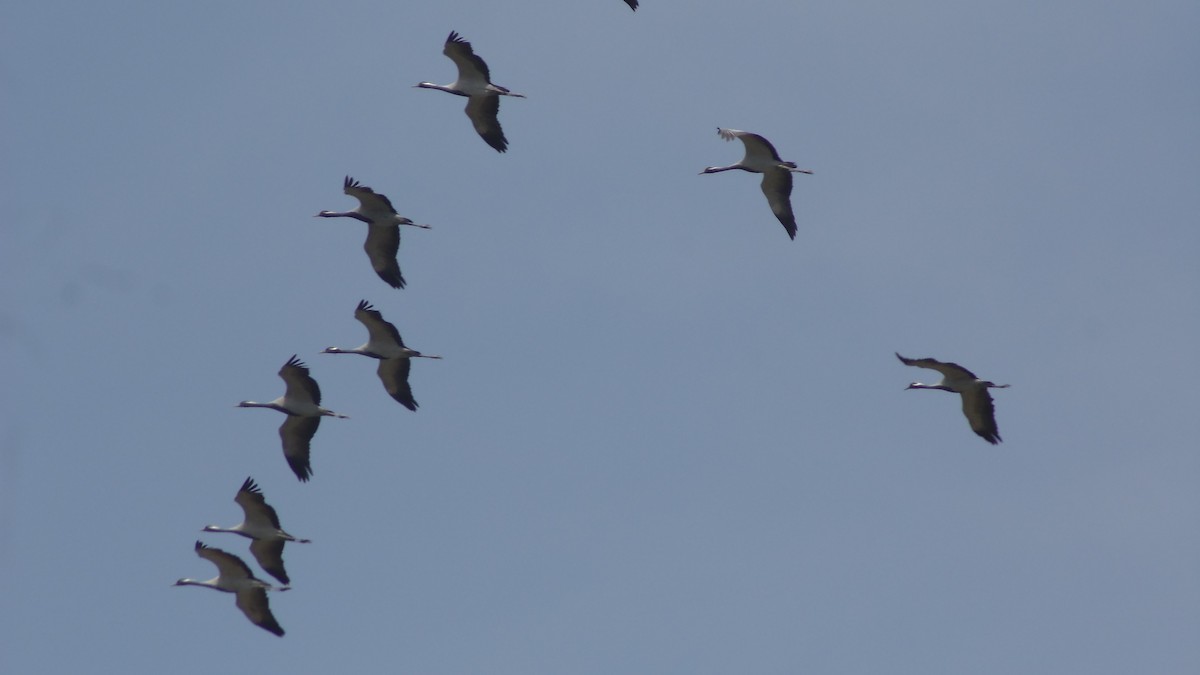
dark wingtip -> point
(303, 472)
(394, 280)
(497, 142)
(992, 437)
(410, 403)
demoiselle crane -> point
(761, 157)
(384, 343)
(234, 576)
(976, 401)
(301, 402)
(475, 82)
(260, 524)
(383, 229)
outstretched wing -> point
(777, 186)
(382, 244)
(484, 113)
(470, 66)
(296, 434)
(378, 329)
(758, 149)
(255, 506)
(981, 413)
(951, 371)
(269, 554)
(299, 383)
(228, 565)
(371, 201)
(253, 603)
(394, 375)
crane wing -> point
(758, 149)
(470, 66)
(253, 603)
(950, 371)
(228, 565)
(981, 413)
(296, 435)
(370, 200)
(484, 113)
(777, 186)
(255, 506)
(269, 554)
(394, 375)
(299, 383)
(382, 244)
(378, 329)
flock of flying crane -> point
(301, 401)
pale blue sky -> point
(665, 438)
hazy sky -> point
(665, 438)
